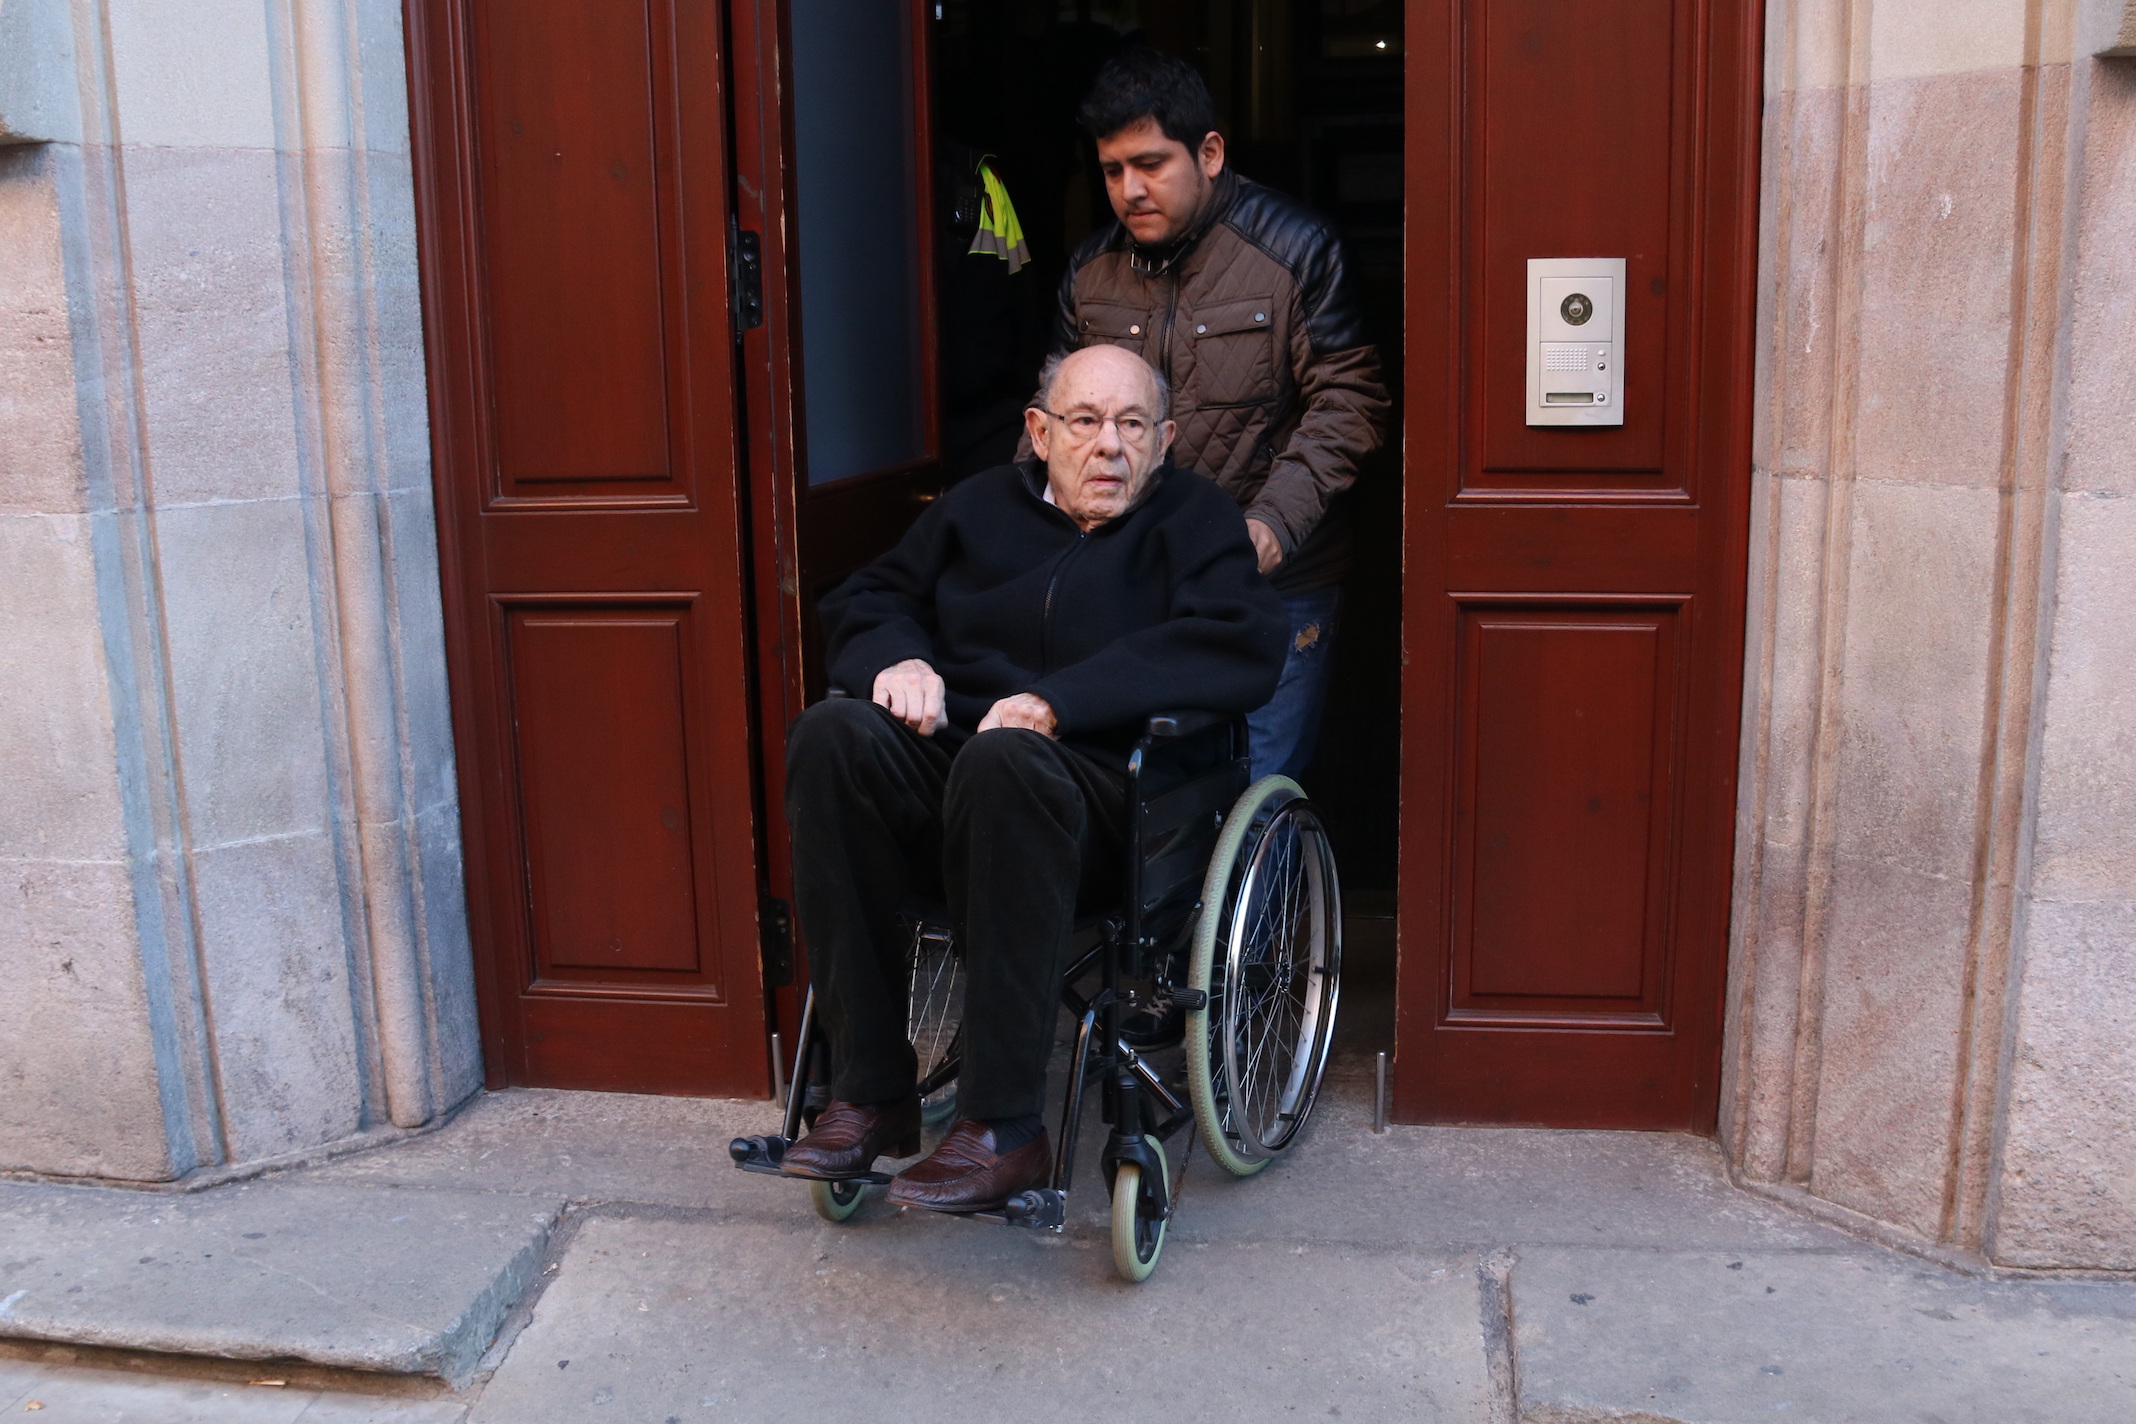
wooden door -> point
(574, 224)
(834, 192)
(1573, 596)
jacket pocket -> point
(1112, 324)
(1234, 353)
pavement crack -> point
(1494, 1293)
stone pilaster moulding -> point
(1852, 155)
(341, 127)
(308, 458)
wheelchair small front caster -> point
(835, 1201)
(1137, 1226)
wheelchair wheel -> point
(835, 1201)
(1137, 1232)
(935, 1016)
(1267, 952)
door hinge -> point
(748, 249)
(775, 922)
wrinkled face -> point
(1101, 438)
(1157, 186)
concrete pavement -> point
(1430, 1274)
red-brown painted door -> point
(574, 215)
(1573, 597)
(833, 179)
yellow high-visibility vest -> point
(1000, 234)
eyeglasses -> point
(1084, 425)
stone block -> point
(366, 1278)
(939, 1320)
(1680, 1337)
(2085, 837)
(1803, 138)
(1919, 625)
(1806, 45)
(245, 668)
(2101, 404)
(1913, 38)
(411, 544)
(78, 1085)
(200, 75)
(1934, 343)
(1893, 1008)
(449, 955)
(41, 454)
(397, 299)
(2067, 1196)
(214, 325)
(282, 1008)
(39, 95)
(59, 792)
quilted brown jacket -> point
(1275, 386)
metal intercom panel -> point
(1576, 341)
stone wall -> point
(1933, 984)
(231, 916)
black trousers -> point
(1016, 831)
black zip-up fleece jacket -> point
(1158, 610)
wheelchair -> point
(1233, 915)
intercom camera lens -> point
(1576, 309)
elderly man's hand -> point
(1026, 709)
(1267, 548)
(913, 692)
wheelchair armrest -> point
(1183, 724)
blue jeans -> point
(1285, 733)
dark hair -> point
(1148, 84)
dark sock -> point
(1011, 1133)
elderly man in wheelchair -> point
(1056, 659)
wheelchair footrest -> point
(758, 1154)
(1043, 1209)
(764, 1154)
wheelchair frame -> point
(1185, 774)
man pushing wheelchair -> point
(1012, 645)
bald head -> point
(1115, 363)
(1100, 427)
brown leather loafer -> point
(966, 1174)
(848, 1137)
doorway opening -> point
(1308, 96)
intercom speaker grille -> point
(1565, 358)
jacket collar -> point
(1156, 261)
(1033, 476)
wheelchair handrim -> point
(1206, 1068)
(1293, 827)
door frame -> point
(1437, 383)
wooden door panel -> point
(1569, 725)
(1563, 547)
(574, 208)
(574, 289)
(1572, 157)
(599, 701)
(1565, 742)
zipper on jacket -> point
(1164, 340)
(1045, 617)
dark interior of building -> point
(1308, 94)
